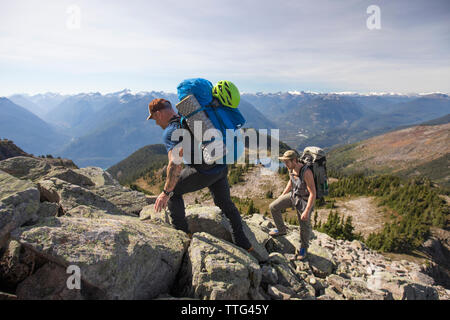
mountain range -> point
(330, 119)
(27, 130)
(102, 129)
(39, 104)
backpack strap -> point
(175, 119)
(194, 112)
(302, 171)
(183, 118)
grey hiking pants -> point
(284, 202)
(192, 180)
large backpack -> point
(315, 159)
(221, 117)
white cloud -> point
(263, 45)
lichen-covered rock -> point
(280, 292)
(70, 176)
(302, 266)
(48, 283)
(70, 196)
(124, 258)
(437, 249)
(336, 282)
(321, 260)
(208, 219)
(83, 211)
(258, 240)
(357, 290)
(47, 209)
(269, 275)
(257, 294)
(35, 169)
(83, 217)
(211, 220)
(19, 202)
(26, 168)
(256, 219)
(422, 278)
(148, 212)
(126, 200)
(290, 243)
(287, 277)
(258, 225)
(401, 288)
(417, 291)
(287, 244)
(98, 176)
(323, 240)
(331, 294)
(357, 245)
(16, 264)
(317, 284)
(278, 258)
(60, 162)
(215, 269)
(129, 201)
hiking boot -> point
(275, 233)
(301, 256)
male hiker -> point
(192, 178)
(300, 193)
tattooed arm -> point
(173, 170)
(173, 174)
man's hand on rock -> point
(161, 202)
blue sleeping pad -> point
(222, 117)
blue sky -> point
(269, 46)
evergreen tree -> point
(315, 220)
(415, 201)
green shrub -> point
(269, 194)
(337, 228)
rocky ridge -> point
(54, 217)
(8, 150)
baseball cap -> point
(157, 104)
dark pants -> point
(192, 180)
